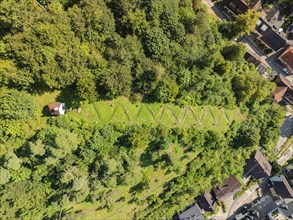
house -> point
(258, 209)
(206, 202)
(251, 59)
(228, 188)
(286, 58)
(251, 214)
(257, 166)
(281, 186)
(284, 90)
(281, 80)
(266, 208)
(192, 213)
(286, 210)
(241, 6)
(268, 35)
(279, 93)
(57, 108)
(288, 173)
(275, 18)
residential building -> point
(279, 93)
(57, 108)
(288, 173)
(286, 59)
(269, 36)
(275, 18)
(266, 208)
(257, 166)
(281, 186)
(281, 80)
(192, 213)
(240, 6)
(258, 209)
(206, 202)
(284, 90)
(251, 59)
(228, 188)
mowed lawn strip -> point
(121, 110)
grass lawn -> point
(170, 115)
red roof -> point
(282, 81)
(287, 58)
(278, 93)
(54, 105)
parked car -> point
(286, 70)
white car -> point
(286, 70)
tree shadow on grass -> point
(138, 188)
(69, 96)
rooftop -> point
(287, 58)
(269, 36)
(281, 80)
(193, 213)
(206, 202)
(56, 108)
(282, 186)
(262, 161)
(279, 93)
(275, 18)
(228, 186)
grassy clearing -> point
(122, 111)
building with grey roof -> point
(206, 202)
(257, 166)
(281, 186)
(192, 213)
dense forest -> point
(150, 51)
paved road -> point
(287, 127)
(248, 196)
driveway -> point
(287, 127)
(247, 197)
